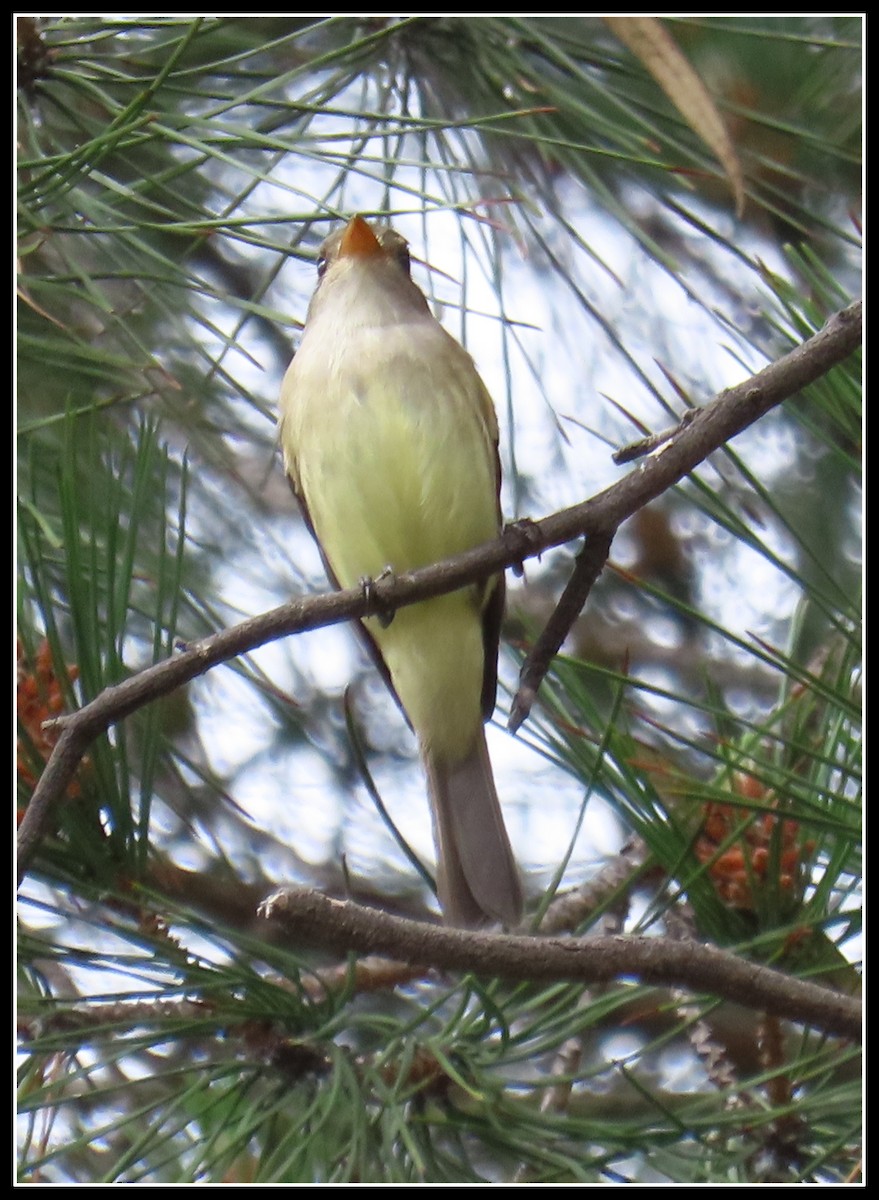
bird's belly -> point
(394, 458)
(392, 483)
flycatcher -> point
(390, 442)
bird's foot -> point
(375, 605)
(528, 536)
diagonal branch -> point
(309, 918)
(589, 565)
(723, 418)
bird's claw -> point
(374, 604)
(525, 530)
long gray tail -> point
(477, 877)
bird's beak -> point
(358, 240)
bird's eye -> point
(321, 265)
(404, 258)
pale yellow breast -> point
(388, 444)
(390, 440)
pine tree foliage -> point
(573, 224)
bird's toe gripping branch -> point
(526, 536)
(376, 607)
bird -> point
(390, 442)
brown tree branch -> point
(729, 414)
(309, 918)
(589, 565)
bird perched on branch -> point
(390, 442)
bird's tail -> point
(477, 878)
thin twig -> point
(729, 414)
(612, 884)
(653, 441)
(589, 565)
(310, 918)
